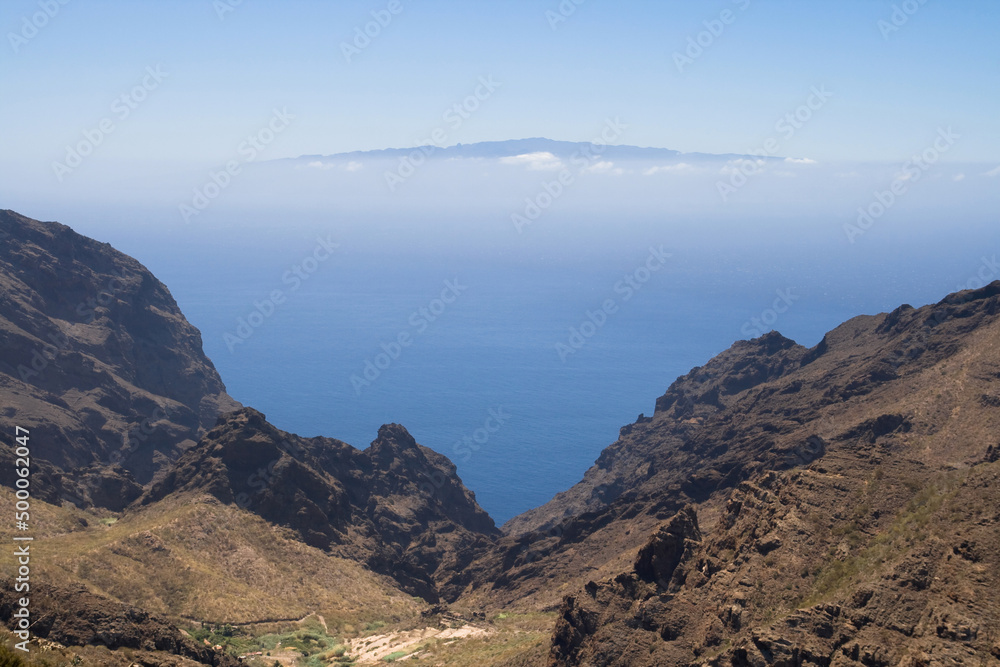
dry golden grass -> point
(193, 558)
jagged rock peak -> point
(395, 434)
(769, 343)
(244, 416)
(965, 296)
(393, 444)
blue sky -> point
(226, 75)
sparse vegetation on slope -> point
(194, 559)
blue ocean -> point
(520, 371)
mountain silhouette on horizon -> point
(515, 147)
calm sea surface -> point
(480, 378)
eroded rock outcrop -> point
(72, 616)
(396, 506)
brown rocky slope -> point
(785, 506)
(97, 361)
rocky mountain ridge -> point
(781, 506)
(850, 492)
(397, 507)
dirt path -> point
(322, 621)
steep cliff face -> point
(97, 361)
(397, 506)
(847, 497)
